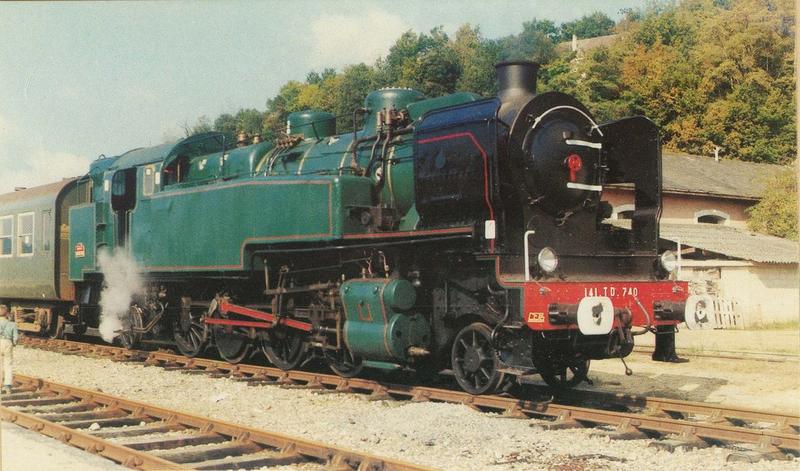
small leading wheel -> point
(344, 363)
(134, 320)
(474, 360)
(189, 333)
(565, 376)
(284, 347)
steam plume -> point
(122, 280)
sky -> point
(82, 79)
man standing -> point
(9, 334)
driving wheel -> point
(474, 360)
(232, 344)
(133, 320)
(284, 347)
(189, 333)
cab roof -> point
(199, 144)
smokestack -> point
(516, 86)
(516, 78)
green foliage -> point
(588, 26)
(536, 42)
(226, 123)
(776, 212)
(476, 57)
(708, 72)
(434, 72)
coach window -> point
(6, 236)
(711, 216)
(25, 234)
(47, 230)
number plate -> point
(611, 291)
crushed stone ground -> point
(444, 436)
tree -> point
(203, 124)
(226, 123)
(776, 212)
(708, 72)
(314, 77)
(536, 42)
(476, 57)
(249, 121)
(355, 82)
(279, 107)
(401, 66)
(588, 26)
(434, 72)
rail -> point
(675, 423)
(143, 436)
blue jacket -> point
(8, 330)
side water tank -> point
(311, 124)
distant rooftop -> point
(731, 178)
(732, 242)
(728, 241)
(727, 178)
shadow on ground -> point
(688, 388)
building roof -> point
(728, 241)
(686, 173)
(733, 242)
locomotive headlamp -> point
(669, 261)
(547, 259)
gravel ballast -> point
(445, 436)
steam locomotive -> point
(454, 232)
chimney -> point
(516, 86)
(516, 78)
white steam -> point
(122, 280)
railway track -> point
(142, 436)
(752, 434)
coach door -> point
(123, 200)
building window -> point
(6, 236)
(623, 211)
(711, 216)
(25, 234)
